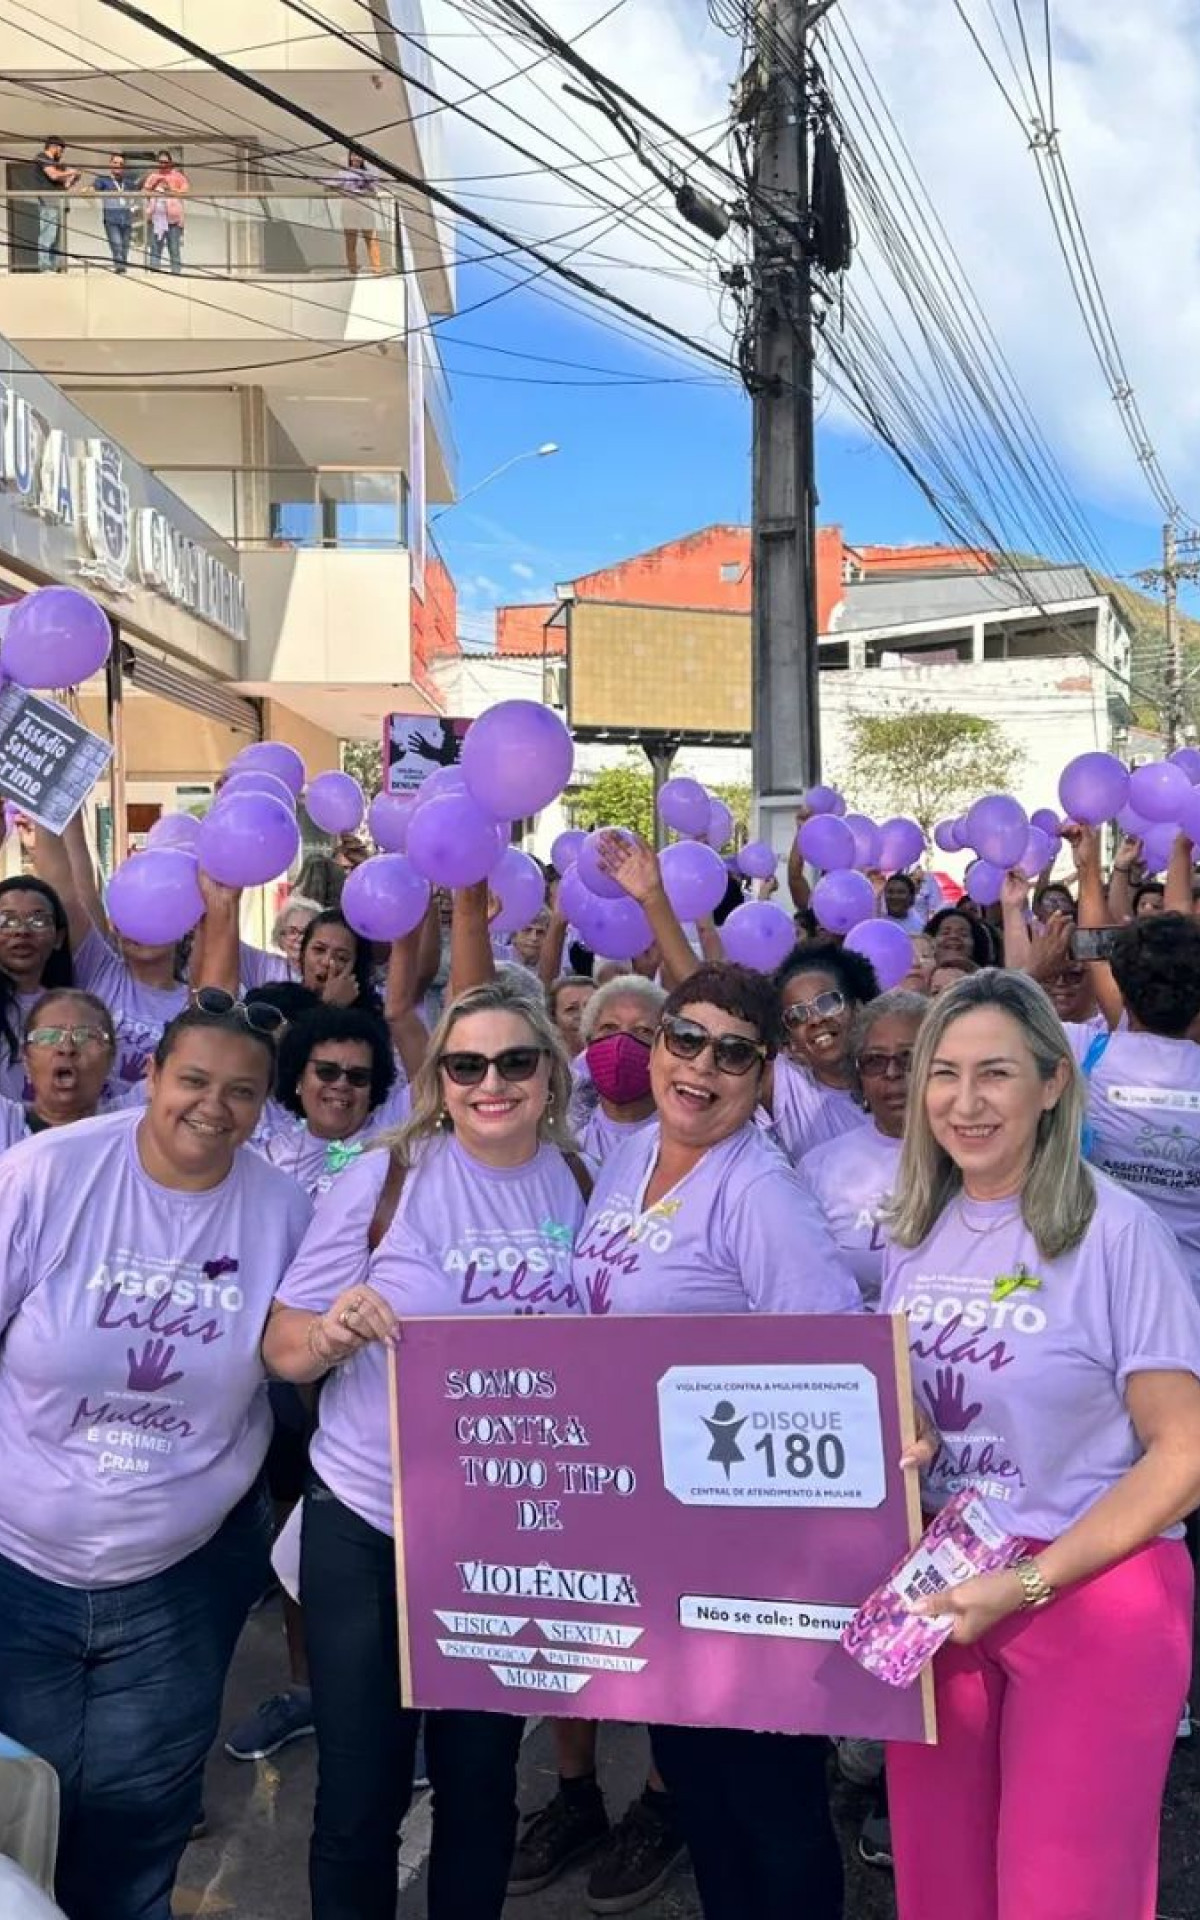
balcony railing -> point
(292, 507)
(319, 234)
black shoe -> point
(875, 1841)
(563, 1832)
(642, 1852)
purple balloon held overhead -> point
(757, 860)
(520, 886)
(758, 935)
(684, 805)
(1158, 845)
(1046, 821)
(998, 829)
(615, 929)
(1189, 759)
(886, 946)
(517, 757)
(565, 851)
(1158, 790)
(452, 842)
(272, 756)
(841, 900)
(985, 883)
(589, 868)
(258, 780)
(154, 897)
(902, 844)
(247, 840)
(1189, 817)
(1131, 821)
(55, 637)
(1094, 788)
(175, 830)
(384, 898)
(720, 825)
(1040, 852)
(574, 898)
(387, 820)
(826, 842)
(694, 878)
(824, 800)
(948, 836)
(334, 803)
(868, 841)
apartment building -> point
(280, 393)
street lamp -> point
(531, 453)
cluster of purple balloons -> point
(690, 810)
(845, 847)
(1155, 802)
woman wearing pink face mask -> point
(618, 1029)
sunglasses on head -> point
(329, 1072)
(259, 1015)
(824, 1007)
(731, 1052)
(512, 1063)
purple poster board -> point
(652, 1518)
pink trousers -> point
(1041, 1800)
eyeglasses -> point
(77, 1036)
(469, 1069)
(26, 923)
(328, 1072)
(825, 1007)
(260, 1016)
(885, 1066)
(687, 1040)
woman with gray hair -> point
(618, 1027)
(473, 1210)
(1055, 1341)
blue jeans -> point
(50, 225)
(117, 233)
(172, 240)
(366, 1742)
(119, 1688)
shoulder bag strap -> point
(388, 1201)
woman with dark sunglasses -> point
(336, 1083)
(699, 1213)
(142, 1249)
(809, 1092)
(473, 1209)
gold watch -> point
(1036, 1589)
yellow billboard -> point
(657, 669)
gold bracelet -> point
(1035, 1587)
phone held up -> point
(1093, 943)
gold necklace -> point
(981, 1233)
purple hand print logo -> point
(598, 1289)
(132, 1069)
(947, 1402)
(150, 1370)
(213, 1269)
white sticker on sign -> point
(773, 1619)
(795, 1436)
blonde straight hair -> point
(426, 1117)
(1059, 1195)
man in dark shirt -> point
(54, 181)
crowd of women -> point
(245, 1167)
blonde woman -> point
(1056, 1343)
(484, 1162)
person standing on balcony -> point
(119, 191)
(54, 183)
(362, 216)
(166, 187)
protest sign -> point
(415, 745)
(667, 1518)
(49, 761)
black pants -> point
(366, 1743)
(754, 1809)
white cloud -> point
(521, 571)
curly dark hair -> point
(741, 991)
(326, 1024)
(1156, 963)
(983, 945)
(292, 1000)
(368, 999)
(856, 977)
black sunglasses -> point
(259, 1015)
(328, 1072)
(687, 1040)
(514, 1063)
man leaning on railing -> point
(55, 182)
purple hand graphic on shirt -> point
(213, 1269)
(149, 1371)
(598, 1288)
(132, 1069)
(947, 1402)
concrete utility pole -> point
(787, 740)
(1180, 561)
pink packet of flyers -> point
(885, 1636)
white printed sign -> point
(800, 1436)
(49, 761)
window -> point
(731, 572)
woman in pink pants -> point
(1056, 1343)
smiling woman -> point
(809, 1091)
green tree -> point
(927, 763)
(623, 796)
(363, 760)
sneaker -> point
(554, 1839)
(284, 1717)
(875, 1841)
(860, 1762)
(637, 1861)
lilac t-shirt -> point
(139, 1013)
(258, 968)
(851, 1180)
(599, 1136)
(316, 1163)
(1023, 1362)
(13, 1082)
(738, 1234)
(133, 1406)
(804, 1112)
(466, 1238)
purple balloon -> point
(948, 836)
(175, 830)
(756, 860)
(442, 780)
(257, 780)
(520, 886)
(998, 829)
(759, 935)
(1046, 821)
(453, 842)
(1158, 845)
(591, 873)
(384, 898)
(903, 843)
(1158, 790)
(517, 758)
(886, 946)
(615, 929)
(574, 897)
(55, 637)
(387, 821)
(720, 825)
(247, 839)
(154, 897)
(694, 878)
(985, 882)
(824, 800)
(272, 756)
(1040, 851)
(1131, 821)
(334, 803)
(1093, 788)
(1189, 817)
(684, 805)
(841, 900)
(1189, 759)
(826, 842)
(565, 851)
(868, 841)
